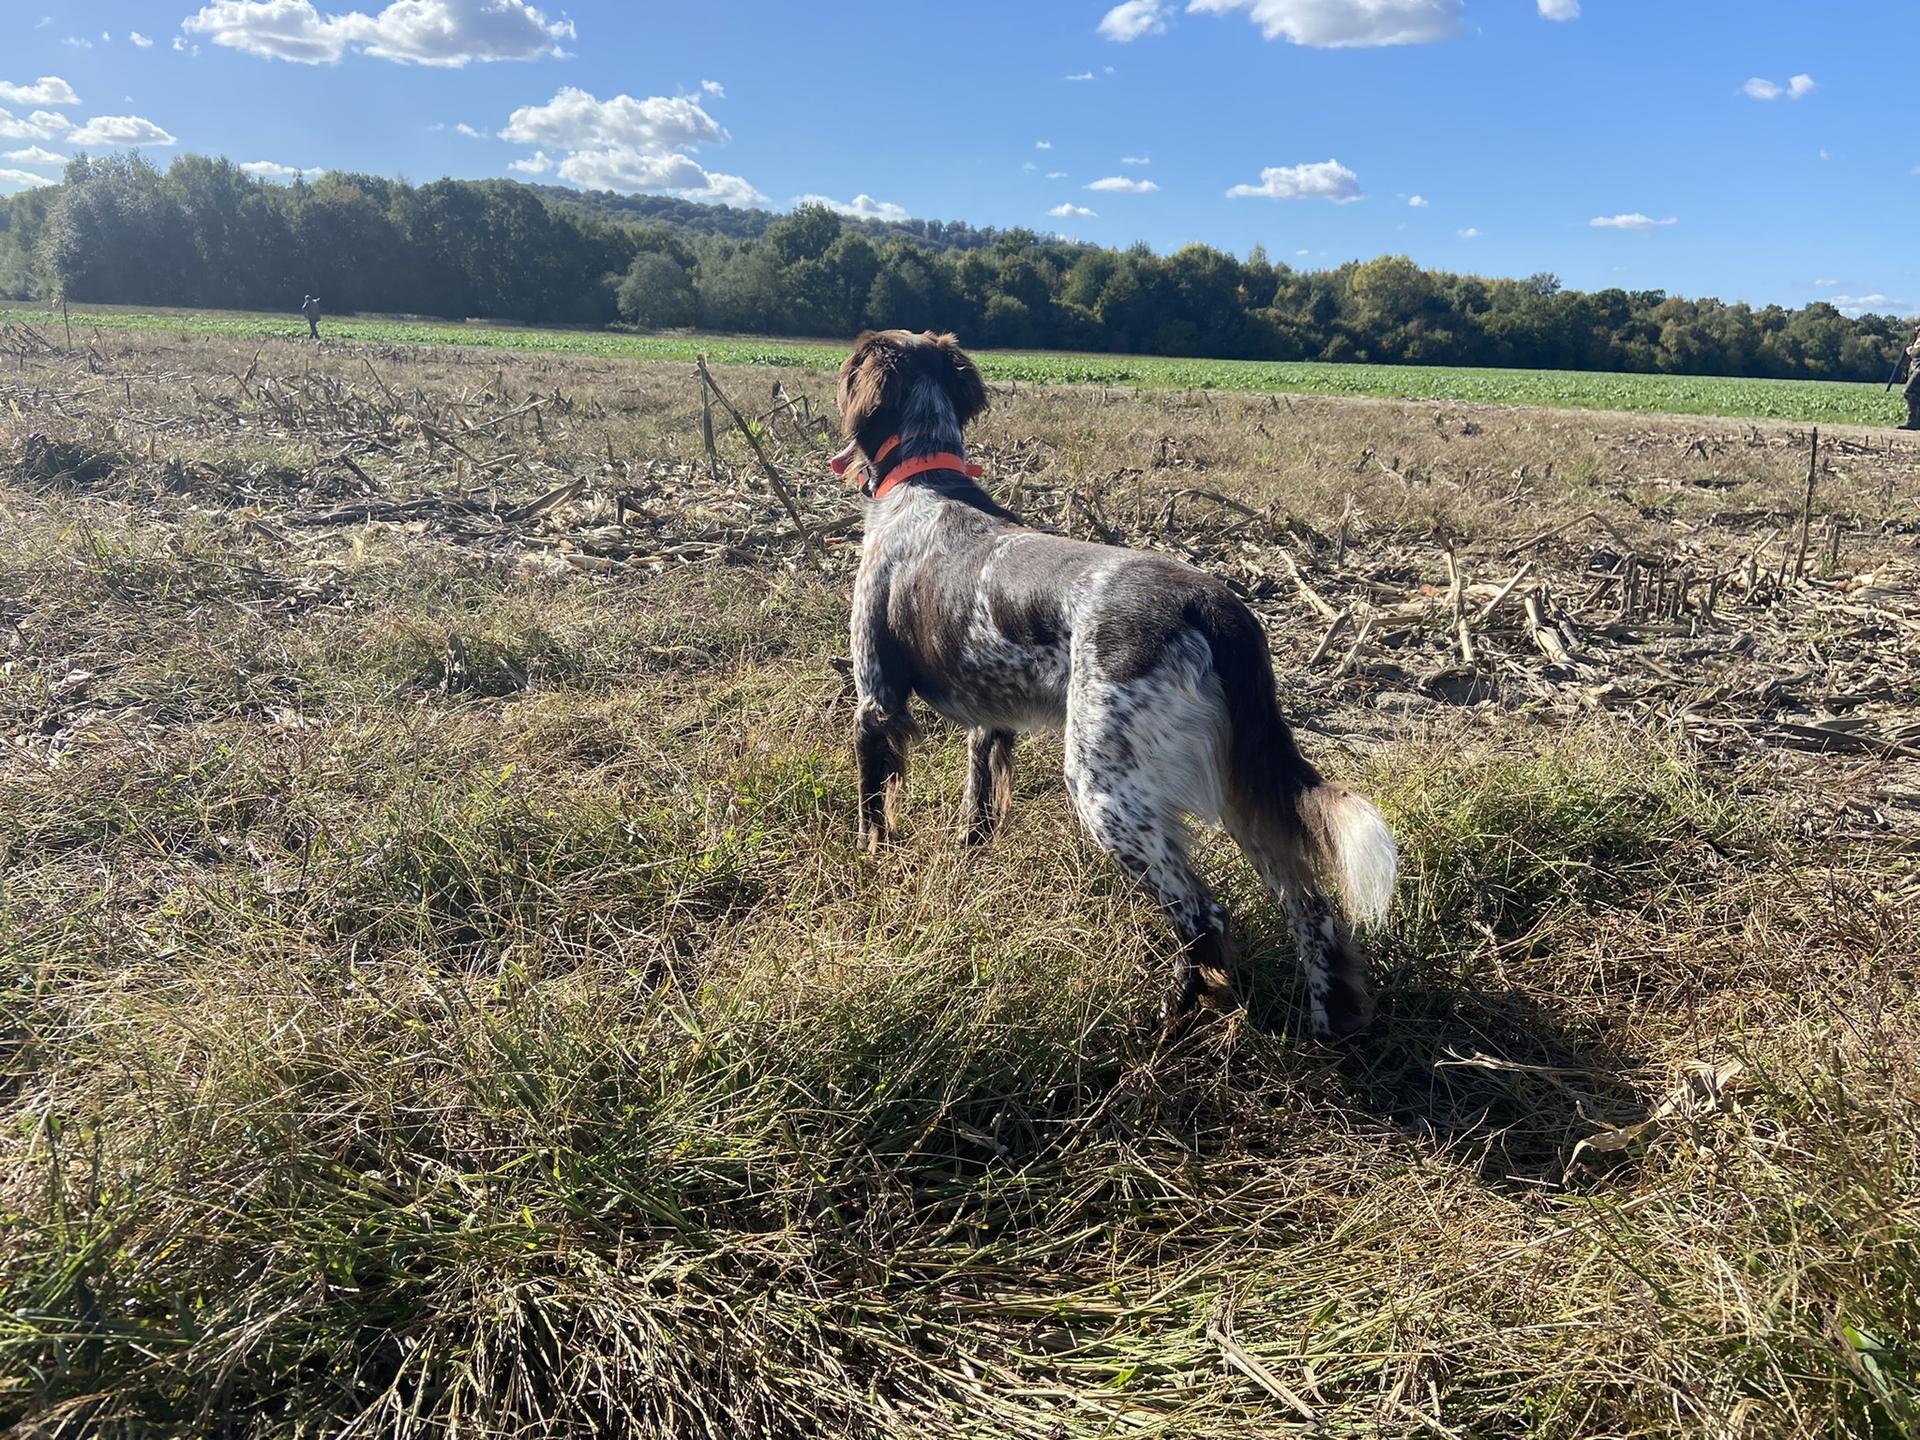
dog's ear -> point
(965, 389)
(866, 375)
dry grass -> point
(507, 1040)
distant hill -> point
(733, 223)
(204, 232)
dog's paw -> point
(1347, 1013)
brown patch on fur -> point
(1001, 767)
(1203, 981)
(968, 391)
(1216, 974)
(989, 783)
(880, 745)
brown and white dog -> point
(1157, 675)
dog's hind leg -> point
(1338, 1000)
(989, 782)
(1150, 842)
(880, 746)
(1153, 850)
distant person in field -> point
(310, 307)
(1912, 392)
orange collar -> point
(919, 465)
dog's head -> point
(898, 383)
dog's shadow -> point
(1492, 1077)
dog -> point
(1155, 673)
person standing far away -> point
(1912, 392)
(310, 307)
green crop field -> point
(1814, 402)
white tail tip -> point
(1364, 859)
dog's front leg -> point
(880, 747)
(989, 782)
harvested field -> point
(443, 996)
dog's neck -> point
(927, 441)
(890, 467)
(925, 448)
(928, 425)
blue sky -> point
(1761, 150)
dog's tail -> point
(1278, 806)
(1353, 844)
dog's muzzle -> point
(867, 479)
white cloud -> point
(631, 170)
(627, 144)
(1635, 221)
(24, 177)
(1136, 159)
(1470, 233)
(538, 163)
(1056, 175)
(714, 88)
(1043, 144)
(1560, 9)
(1325, 180)
(1125, 185)
(1861, 304)
(861, 207)
(34, 155)
(1344, 24)
(1133, 18)
(1083, 75)
(728, 190)
(1797, 88)
(145, 42)
(43, 22)
(115, 131)
(1079, 212)
(1027, 167)
(273, 29)
(47, 90)
(447, 33)
(1418, 202)
(1826, 284)
(576, 120)
(77, 42)
(269, 170)
(467, 130)
(40, 125)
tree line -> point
(205, 233)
